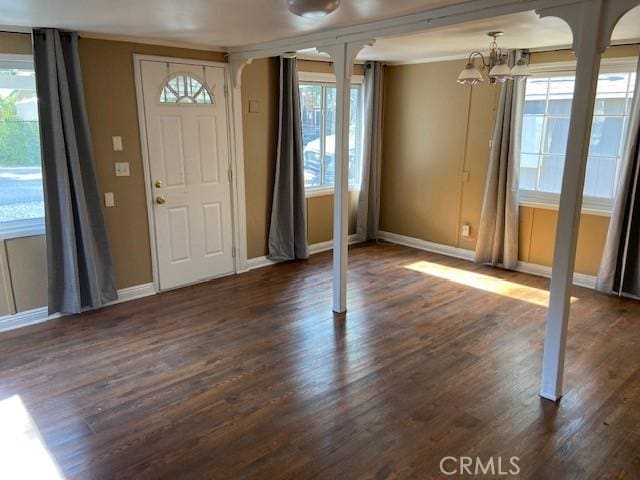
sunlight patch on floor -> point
(23, 454)
(486, 283)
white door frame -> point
(236, 159)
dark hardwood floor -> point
(252, 376)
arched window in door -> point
(184, 88)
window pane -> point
(355, 166)
(528, 178)
(616, 82)
(537, 86)
(311, 113)
(600, 178)
(20, 165)
(605, 136)
(610, 106)
(534, 106)
(561, 85)
(551, 173)
(556, 136)
(531, 133)
(528, 171)
(559, 106)
(330, 136)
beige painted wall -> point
(260, 87)
(107, 70)
(111, 104)
(435, 156)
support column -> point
(237, 65)
(591, 22)
(343, 56)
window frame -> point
(548, 200)
(26, 227)
(329, 79)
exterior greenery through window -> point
(545, 127)
(21, 196)
(318, 111)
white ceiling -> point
(212, 23)
(231, 23)
(521, 30)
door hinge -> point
(233, 252)
(226, 91)
(230, 175)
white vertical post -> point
(591, 22)
(343, 56)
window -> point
(21, 197)
(318, 111)
(545, 127)
(183, 88)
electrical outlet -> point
(122, 169)
(466, 230)
(254, 106)
(108, 200)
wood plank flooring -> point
(252, 376)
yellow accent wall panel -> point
(591, 238)
(28, 270)
(6, 294)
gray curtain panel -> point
(497, 242)
(288, 228)
(620, 265)
(79, 264)
(369, 200)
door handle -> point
(160, 200)
(159, 184)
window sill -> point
(21, 228)
(325, 191)
(554, 206)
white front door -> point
(188, 152)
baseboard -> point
(39, 315)
(579, 279)
(432, 247)
(135, 292)
(26, 318)
(259, 262)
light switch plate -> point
(117, 144)
(108, 199)
(122, 169)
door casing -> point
(234, 119)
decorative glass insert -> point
(183, 88)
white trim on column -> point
(591, 23)
(39, 315)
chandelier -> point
(496, 63)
